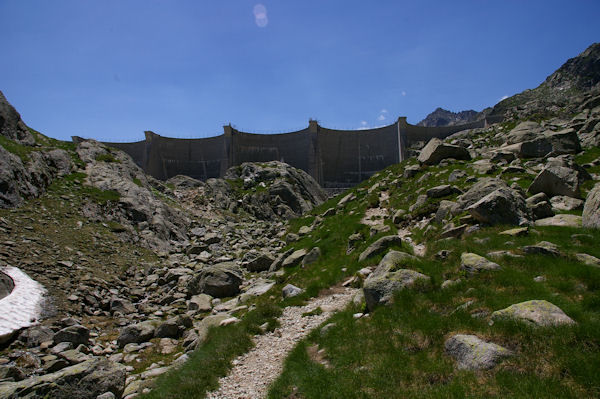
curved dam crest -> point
(334, 158)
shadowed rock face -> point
(6, 285)
(11, 125)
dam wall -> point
(335, 158)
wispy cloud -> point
(403, 93)
(384, 111)
(503, 98)
(364, 125)
(381, 117)
(260, 15)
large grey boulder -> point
(379, 289)
(502, 206)
(530, 140)
(446, 210)
(473, 263)
(479, 190)
(290, 291)
(76, 334)
(257, 261)
(562, 219)
(591, 208)
(219, 281)
(11, 125)
(390, 276)
(86, 380)
(537, 312)
(472, 353)
(311, 257)
(136, 333)
(557, 180)
(34, 336)
(294, 258)
(436, 150)
(393, 261)
(380, 246)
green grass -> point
(399, 349)
(20, 150)
(107, 157)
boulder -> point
(76, 334)
(393, 261)
(591, 209)
(312, 256)
(537, 312)
(85, 380)
(379, 288)
(562, 219)
(588, 259)
(380, 246)
(122, 306)
(173, 327)
(557, 180)
(441, 191)
(34, 336)
(295, 258)
(256, 261)
(530, 140)
(200, 303)
(472, 353)
(290, 291)
(446, 210)
(219, 281)
(436, 150)
(479, 190)
(564, 203)
(136, 333)
(473, 263)
(541, 248)
(411, 171)
(502, 206)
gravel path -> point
(254, 371)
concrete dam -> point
(334, 158)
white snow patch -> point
(23, 306)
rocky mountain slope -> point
(562, 93)
(442, 117)
(472, 271)
(133, 268)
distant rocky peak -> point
(443, 117)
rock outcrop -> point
(138, 206)
(591, 209)
(274, 190)
(11, 125)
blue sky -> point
(111, 69)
